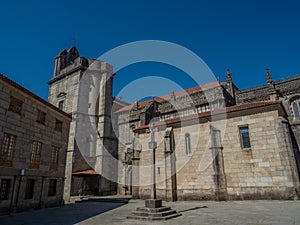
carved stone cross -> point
(153, 145)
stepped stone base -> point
(153, 203)
(153, 210)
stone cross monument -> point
(153, 146)
(153, 210)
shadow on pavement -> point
(66, 215)
(195, 208)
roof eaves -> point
(26, 91)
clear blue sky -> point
(245, 36)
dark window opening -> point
(61, 105)
(15, 105)
(58, 125)
(188, 148)
(29, 189)
(52, 187)
(41, 117)
(4, 189)
(245, 137)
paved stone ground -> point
(114, 210)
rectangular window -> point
(29, 190)
(296, 109)
(41, 117)
(58, 125)
(7, 149)
(54, 158)
(245, 137)
(215, 138)
(15, 105)
(4, 189)
(188, 149)
(61, 105)
(52, 187)
(35, 154)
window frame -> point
(215, 138)
(241, 137)
(54, 158)
(58, 125)
(35, 157)
(29, 189)
(188, 145)
(7, 149)
(297, 103)
(61, 104)
(5, 190)
(41, 117)
(52, 188)
(15, 105)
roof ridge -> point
(235, 108)
(25, 90)
(179, 93)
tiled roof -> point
(86, 172)
(26, 91)
(216, 112)
(188, 91)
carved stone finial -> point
(228, 76)
(273, 92)
(136, 103)
(269, 76)
(173, 94)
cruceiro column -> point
(153, 209)
(153, 145)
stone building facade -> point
(83, 88)
(33, 138)
(214, 142)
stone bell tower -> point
(83, 88)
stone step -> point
(160, 209)
(82, 199)
(154, 214)
(153, 218)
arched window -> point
(188, 149)
(296, 108)
(61, 105)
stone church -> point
(214, 141)
(89, 161)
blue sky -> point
(245, 36)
